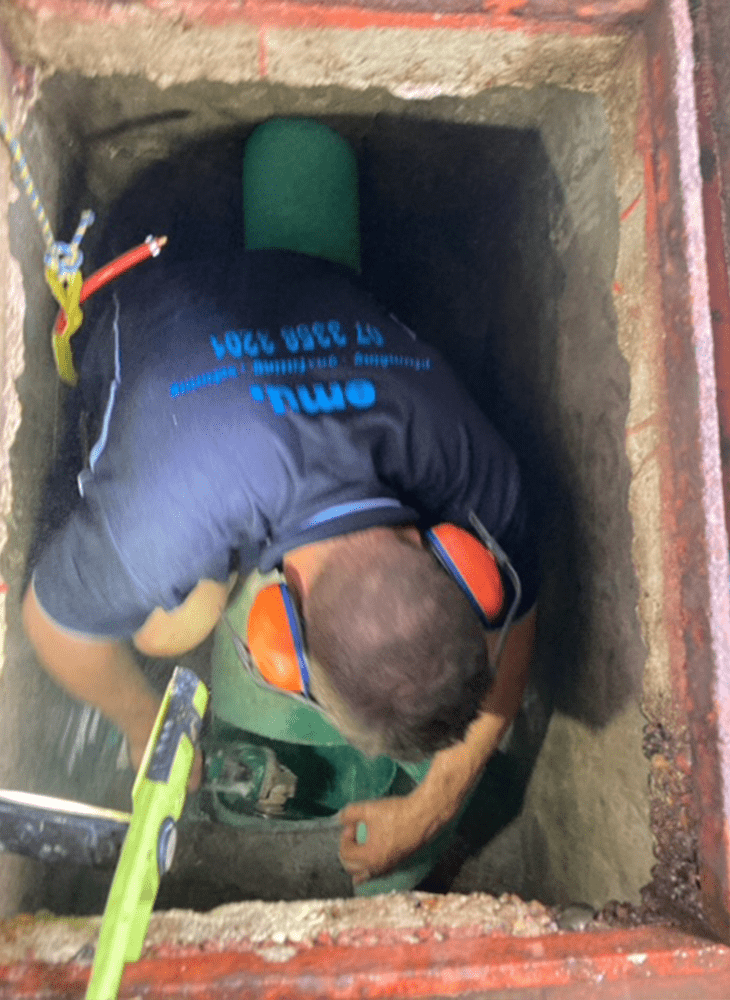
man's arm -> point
(398, 826)
(104, 673)
(172, 633)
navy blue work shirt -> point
(252, 406)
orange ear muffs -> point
(275, 637)
(275, 640)
(472, 566)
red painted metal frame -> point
(696, 563)
(643, 962)
(532, 16)
(647, 962)
(712, 70)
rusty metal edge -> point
(711, 43)
(696, 559)
(700, 570)
(533, 16)
(643, 960)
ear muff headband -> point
(275, 640)
(274, 634)
(473, 567)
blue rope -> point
(21, 166)
(65, 258)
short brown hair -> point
(399, 643)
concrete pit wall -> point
(504, 220)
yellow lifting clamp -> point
(68, 296)
(63, 276)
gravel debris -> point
(274, 929)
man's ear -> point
(342, 718)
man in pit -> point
(265, 412)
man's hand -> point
(395, 829)
(173, 633)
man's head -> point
(398, 655)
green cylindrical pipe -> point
(300, 191)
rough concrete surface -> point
(137, 40)
(412, 63)
(17, 875)
(437, 62)
(501, 226)
(277, 930)
(563, 795)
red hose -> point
(114, 269)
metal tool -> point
(52, 829)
